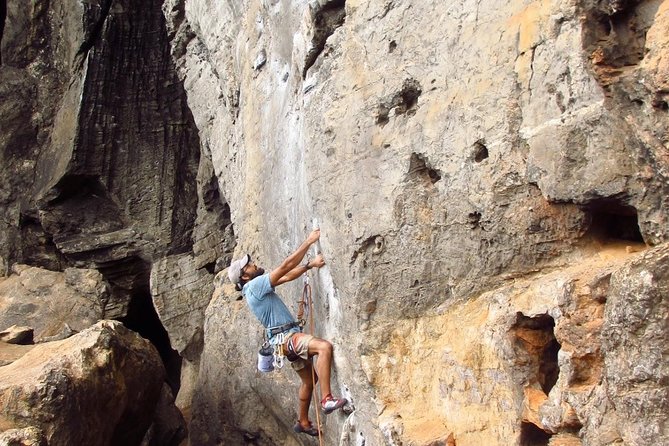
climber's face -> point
(251, 271)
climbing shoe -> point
(311, 430)
(330, 404)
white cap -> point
(235, 268)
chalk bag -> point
(266, 358)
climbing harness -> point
(272, 354)
(272, 331)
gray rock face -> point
(38, 47)
(104, 203)
(98, 179)
(635, 367)
(445, 152)
(485, 175)
(51, 302)
(181, 293)
(231, 396)
(101, 163)
(99, 387)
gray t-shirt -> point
(266, 305)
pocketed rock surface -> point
(490, 180)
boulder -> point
(181, 292)
(27, 436)
(11, 352)
(99, 387)
(17, 335)
(52, 302)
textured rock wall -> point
(52, 303)
(39, 44)
(101, 157)
(103, 175)
(471, 166)
(101, 153)
(487, 176)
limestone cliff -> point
(490, 179)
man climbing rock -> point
(284, 330)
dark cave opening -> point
(408, 97)
(474, 219)
(660, 104)
(73, 186)
(548, 368)
(129, 279)
(611, 220)
(480, 151)
(404, 102)
(531, 435)
(536, 339)
(143, 319)
(326, 19)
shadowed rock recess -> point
(490, 180)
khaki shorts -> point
(301, 346)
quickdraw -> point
(278, 350)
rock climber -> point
(258, 290)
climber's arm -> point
(287, 267)
(301, 269)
